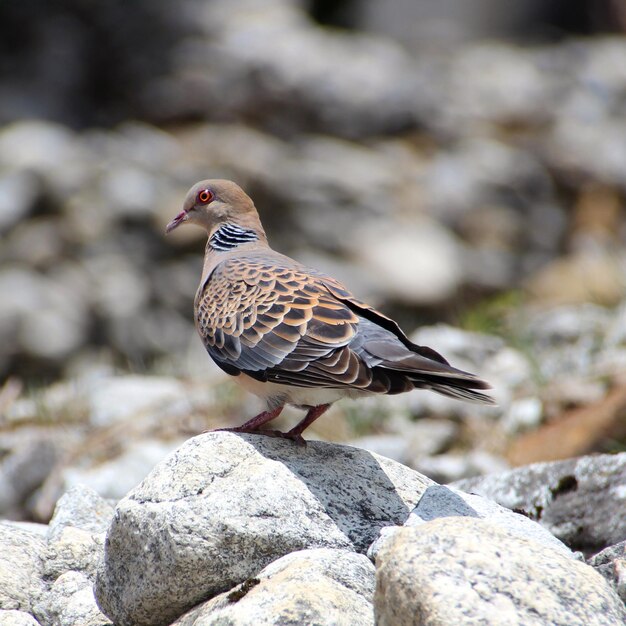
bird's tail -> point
(462, 393)
(459, 385)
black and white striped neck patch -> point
(229, 236)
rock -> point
(321, 586)
(16, 618)
(566, 339)
(486, 355)
(611, 563)
(451, 466)
(448, 26)
(82, 508)
(522, 415)
(76, 533)
(499, 83)
(35, 146)
(119, 288)
(410, 441)
(20, 289)
(390, 446)
(580, 501)
(70, 601)
(36, 242)
(596, 276)
(118, 398)
(573, 140)
(114, 478)
(24, 466)
(46, 316)
(18, 191)
(616, 331)
(462, 570)
(74, 550)
(439, 501)
(576, 432)
(416, 264)
(34, 528)
(352, 85)
(21, 554)
(224, 506)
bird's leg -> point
(295, 434)
(258, 420)
(253, 425)
(313, 413)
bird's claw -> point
(297, 438)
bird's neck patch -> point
(229, 236)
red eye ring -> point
(204, 197)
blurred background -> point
(461, 165)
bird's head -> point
(211, 203)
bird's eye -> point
(205, 196)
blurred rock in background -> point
(454, 165)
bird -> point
(291, 334)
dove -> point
(291, 334)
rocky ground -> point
(254, 530)
(475, 192)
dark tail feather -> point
(461, 393)
(458, 388)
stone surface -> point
(76, 550)
(10, 617)
(115, 477)
(611, 563)
(21, 554)
(416, 264)
(463, 570)
(580, 501)
(439, 501)
(223, 506)
(321, 586)
(451, 466)
(70, 601)
(407, 442)
(339, 85)
(25, 464)
(82, 508)
(118, 398)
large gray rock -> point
(322, 587)
(21, 554)
(460, 570)
(580, 501)
(223, 506)
(439, 501)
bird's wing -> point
(290, 325)
(278, 323)
(380, 319)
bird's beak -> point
(176, 222)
